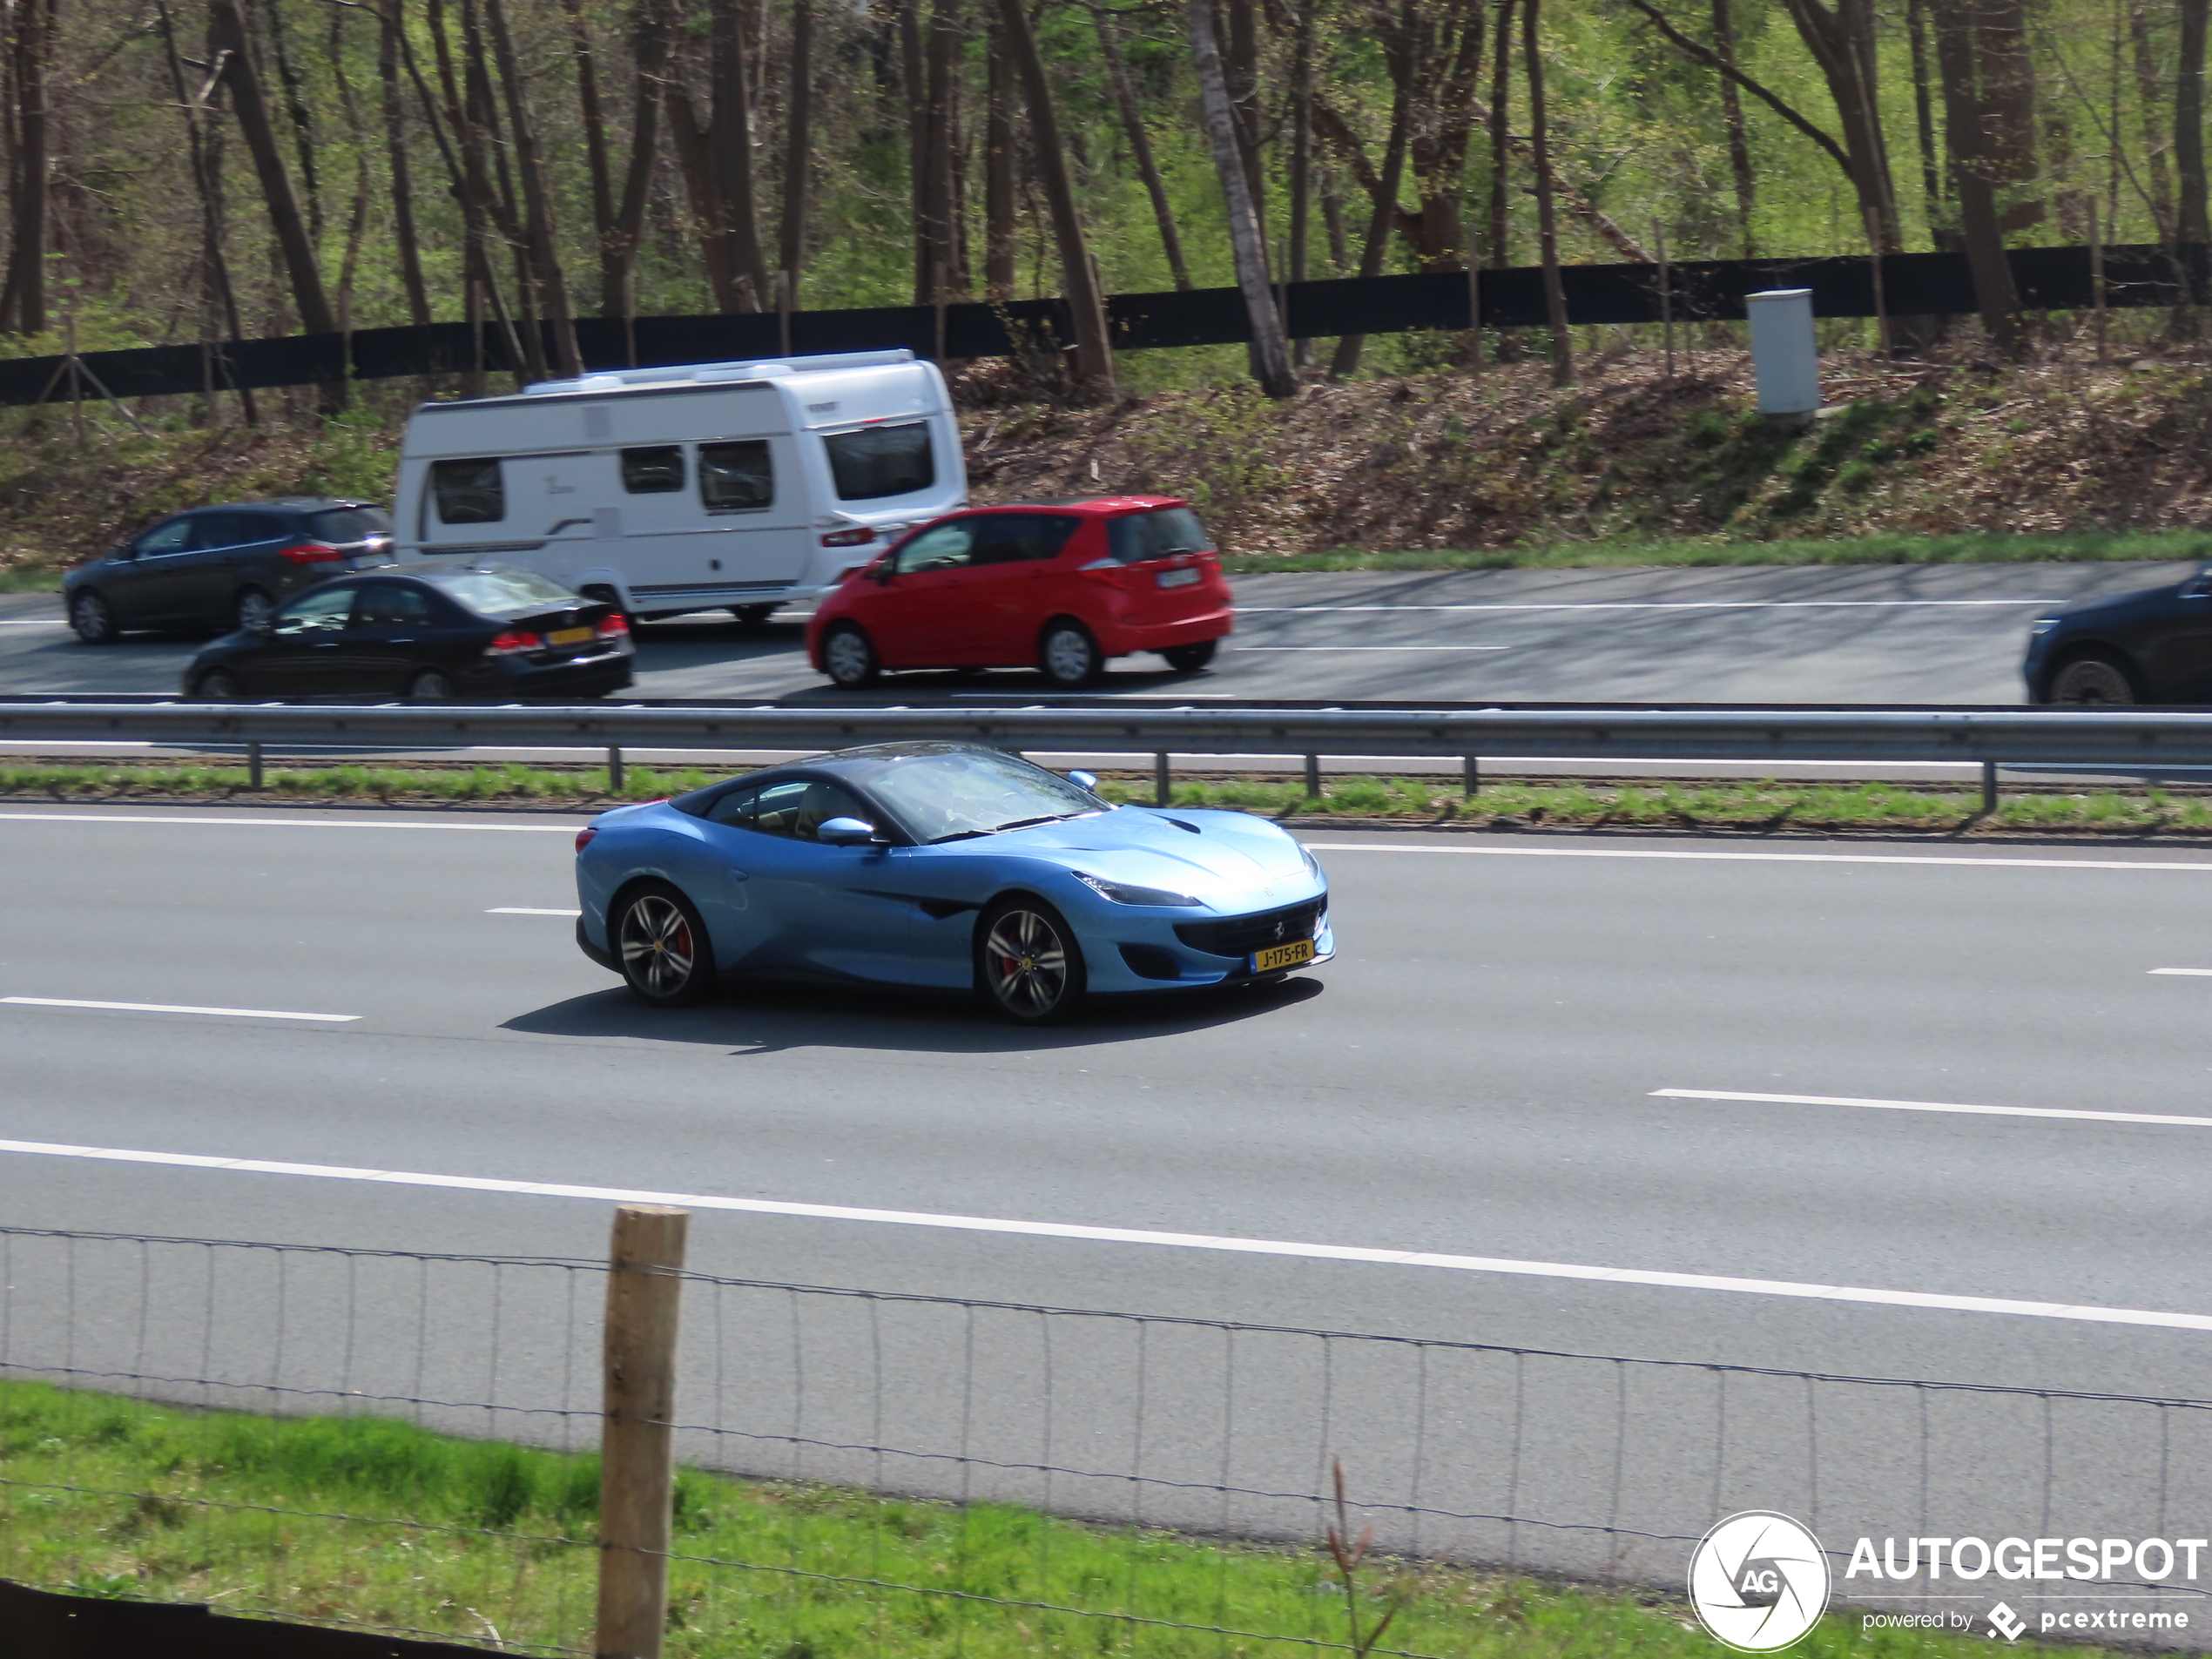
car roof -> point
(285, 503)
(1087, 506)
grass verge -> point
(1509, 803)
(365, 1520)
(2085, 547)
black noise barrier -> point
(2048, 279)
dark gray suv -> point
(224, 567)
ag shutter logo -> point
(1758, 1581)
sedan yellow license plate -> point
(1275, 956)
(567, 635)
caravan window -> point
(881, 460)
(468, 492)
(736, 476)
(654, 471)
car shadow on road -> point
(763, 1020)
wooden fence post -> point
(636, 1475)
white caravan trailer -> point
(745, 485)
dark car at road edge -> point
(2153, 645)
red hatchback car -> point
(1062, 587)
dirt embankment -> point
(1449, 460)
(1436, 461)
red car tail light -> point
(613, 627)
(860, 536)
(310, 553)
(583, 838)
(513, 641)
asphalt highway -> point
(1823, 634)
(1455, 1131)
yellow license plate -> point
(1275, 956)
(567, 635)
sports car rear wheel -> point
(662, 945)
(1029, 962)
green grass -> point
(369, 1522)
(1505, 804)
(30, 581)
(2077, 547)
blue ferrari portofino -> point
(942, 866)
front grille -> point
(1242, 935)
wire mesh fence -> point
(405, 1442)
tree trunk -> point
(1345, 361)
(999, 206)
(543, 242)
(1140, 143)
(695, 160)
(940, 273)
(1301, 179)
(2191, 224)
(1842, 43)
(729, 141)
(1240, 74)
(1547, 226)
(1094, 347)
(23, 303)
(217, 303)
(1499, 243)
(1270, 349)
(2157, 136)
(618, 258)
(1941, 232)
(2008, 113)
(227, 34)
(914, 78)
(594, 140)
(1958, 56)
(298, 112)
(395, 153)
(1739, 147)
(798, 139)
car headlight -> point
(1123, 892)
(1312, 864)
(2042, 625)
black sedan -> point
(2151, 646)
(224, 567)
(480, 632)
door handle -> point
(407, 639)
(326, 644)
(736, 874)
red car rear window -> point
(1165, 530)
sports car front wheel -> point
(663, 947)
(1027, 961)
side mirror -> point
(263, 628)
(124, 554)
(845, 831)
(1083, 780)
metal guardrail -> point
(2127, 737)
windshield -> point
(944, 797)
(881, 460)
(1155, 535)
(506, 593)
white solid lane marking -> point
(527, 910)
(175, 1008)
(2191, 973)
(1138, 1236)
(1653, 604)
(1370, 648)
(569, 828)
(2201, 868)
(1934, 1106)
(33, 621)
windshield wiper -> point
(1019, 823)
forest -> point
(201, 170)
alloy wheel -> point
(1026, 964)
(430, 686)
(658, 947)
(2092, 681)
(220, 686)
(90, 615)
